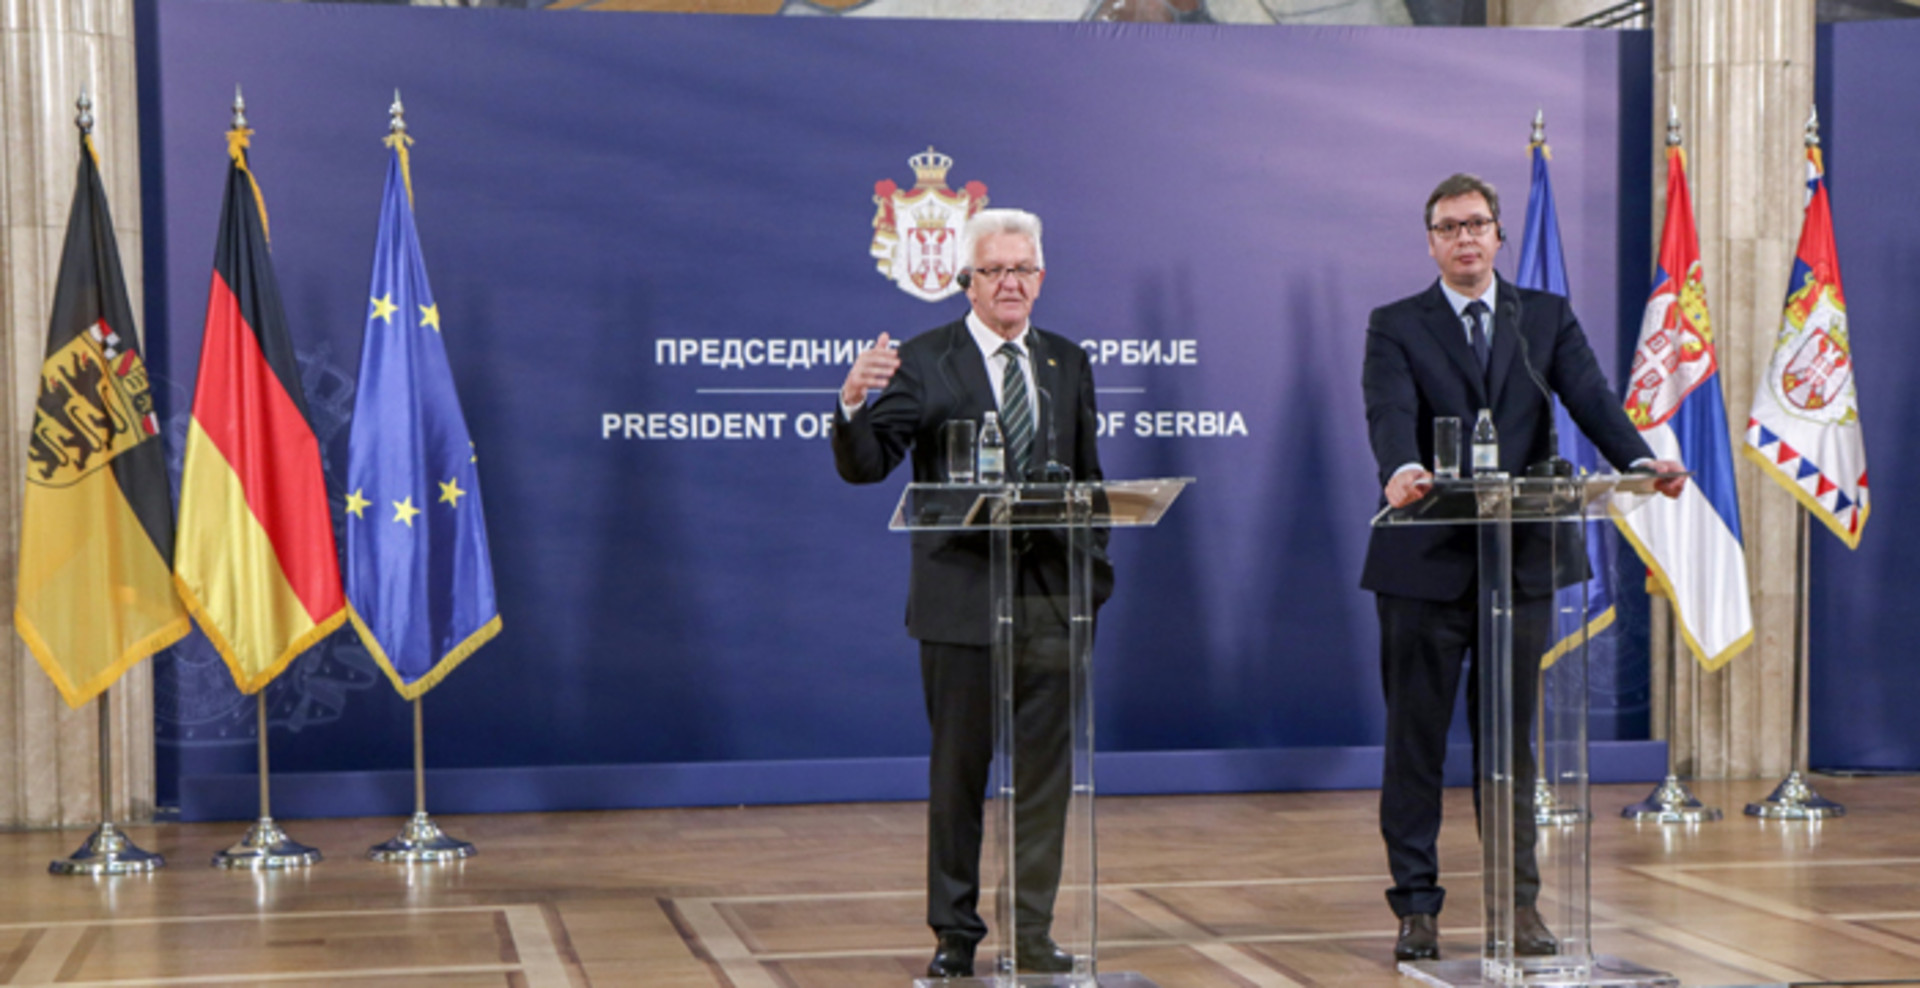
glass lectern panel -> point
(1038, 863)
(1510, 791)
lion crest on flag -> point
(1676, 350)
(916, 232)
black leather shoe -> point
(1040, 955)
(1419, 939)
(953, 958)
(1531, 938)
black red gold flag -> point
(256, 561)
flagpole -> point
(1671, 801)
(266, 846)
(106, 851)
(420, 841)
(1793, 798)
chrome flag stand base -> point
(266, 847)
(1547, 811)
(107, 851)
(421, 842)
(1793, 799)
(1670, 803)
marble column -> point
(49, 51)
(1740, 73)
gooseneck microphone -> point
(1052, 471)
(1554, 465)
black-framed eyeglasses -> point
(1449, 229)
(1024, 272)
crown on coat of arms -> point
(930, 168)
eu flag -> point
(419, 575)
(1543, 267)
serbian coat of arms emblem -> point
(1676, 350)
(916, 232)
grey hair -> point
(988, 222)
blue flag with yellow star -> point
(419, 574)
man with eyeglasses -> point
(1041, 385)
(1470, 341)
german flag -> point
(96, 526)
(256, 562)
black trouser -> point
(1423, 647)
(958, 681)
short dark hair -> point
(1460, 184)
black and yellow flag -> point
(96, 530)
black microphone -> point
(1554, 465)
(1052, 471)
(964, 279)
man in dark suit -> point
(1463, 345)
(992, 360)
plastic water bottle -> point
(993, 451)
(1486, 445)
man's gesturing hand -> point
(872, 369)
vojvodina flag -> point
(419, 573)
(256, 562)
(1804, 430)
(1690, 543)
(1543, 267)
(96, 518)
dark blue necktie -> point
(1477, 311)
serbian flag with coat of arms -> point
(419, 572)
(256, 562)
(1691, 543)
(1804, 430)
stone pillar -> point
(1740, 73)
(49, 51)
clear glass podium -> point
(1493, 505)
(1015, 518)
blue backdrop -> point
(609, 205)
(1863, 676)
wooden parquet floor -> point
(1243, 891)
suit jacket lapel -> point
(966, 374)
(1451, 334)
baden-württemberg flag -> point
(256, 561)
(1543, 267)
(1691, 543)
(1804, 430)
(419, 573)
(96, 522)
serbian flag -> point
(1543, 267)
(96, 518)
(1804, 430)
(1691, 544)
(419, 573)
(256, 561)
